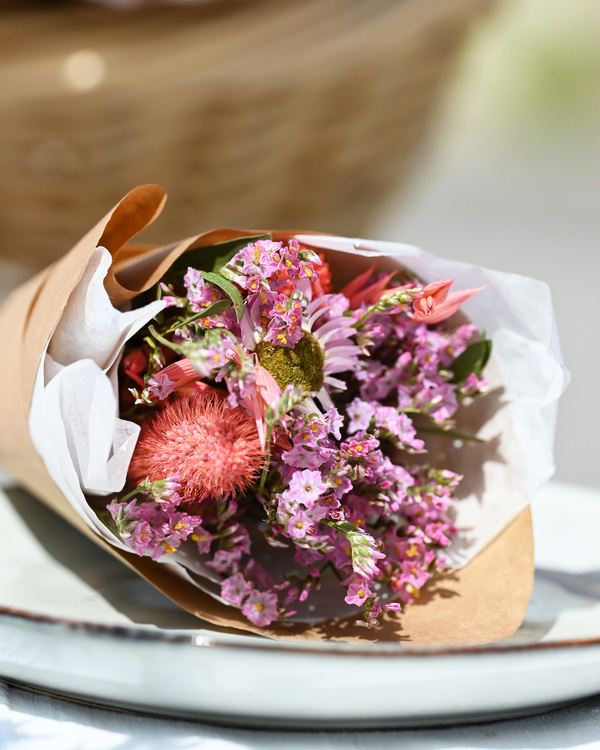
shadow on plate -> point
(554, 591)
(120, 587)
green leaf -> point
(228, 288)
(214, 257)
(473, 359)
(217, 307)
(163, 340)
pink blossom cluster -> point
(335, 386)
(150, 523)
(276, 277)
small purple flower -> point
(210, 354)
(235, 589)
(151, 528)
(413, 574)
(335, 422)
(203, 539)
(305, 556)
(285, 320)
(194, 283)
(259, 258)
(304, 457)
(373, 615)
(398, 424)
(161, 386)
(361, 413)
(170, 299)
(299, 525)
(358, 593)
(142, 539)
(261, 608)
(473, 386)
(339, 484)
(307, 486)
(225, 560)
(357, 449)
(163, 491)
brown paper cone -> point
(484, 601)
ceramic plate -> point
(105, 636)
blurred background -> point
(468, 127)
(511, 180)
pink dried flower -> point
(358, 593)
(214, 449)
(261, 608)
(235, 589)
(151, 529)
(437, 303)
(161, 385)
(338, 487)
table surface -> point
(30, 721)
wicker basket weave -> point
(290, 113)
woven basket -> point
(279, 113)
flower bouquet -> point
(288, 433)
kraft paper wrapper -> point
(484, 601)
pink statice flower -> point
(289, 417)
(285, 319)
(307, 486)
(261, 607)
(162, 491)
(149, 528)
(361, 414)
(225, 560)
(161, 386)
(299, 524)
(235, 589)
(198, 293)
(358, 593)
(473, 386)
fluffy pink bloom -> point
(213, 449)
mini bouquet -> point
(288, 433)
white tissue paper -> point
(74, 420)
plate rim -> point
(245, 642)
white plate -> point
(104, 635)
